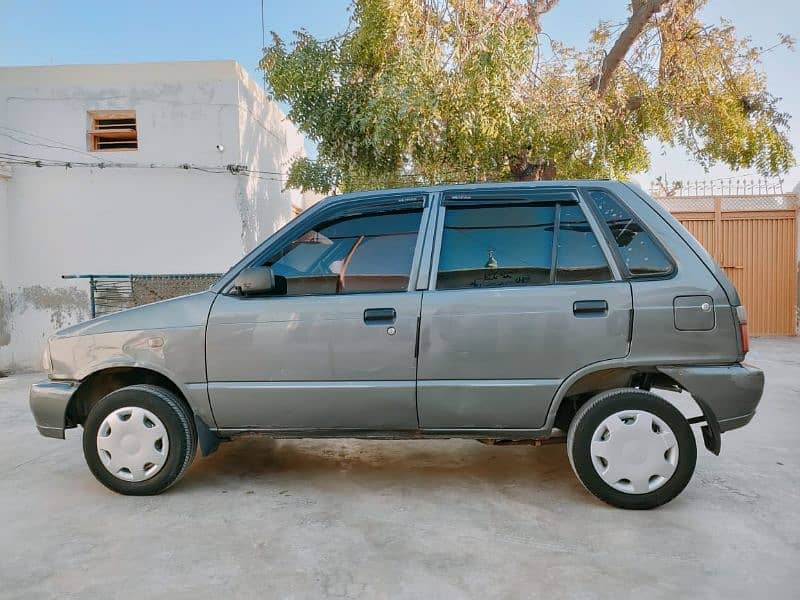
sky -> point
(91, 31)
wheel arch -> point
(583, 384)
(103, 381)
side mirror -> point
(253, 281)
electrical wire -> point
(57, 147)
(446, 178)
(263, 32)
(398, 181)
(23, 159)
(263, 45)
(39, 162)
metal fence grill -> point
(677, 204)
(110, 295)
(152, 288)
(114, 292)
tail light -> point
(741, 317)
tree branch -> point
(642, 11)
(536, 8)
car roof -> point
(465, 187)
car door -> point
(335, 348)
(523, 293)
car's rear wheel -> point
(139, 440)
(631, 448)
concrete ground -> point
(415, 519)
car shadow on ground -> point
(428, 464)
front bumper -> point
(49, 400)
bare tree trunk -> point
(642, 11)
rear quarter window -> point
(640, 253)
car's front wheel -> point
(139, 440)
(631, 448)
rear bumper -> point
(727, 394)
(49, 401)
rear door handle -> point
(379, 316)
(590, 308)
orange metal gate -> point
(754, 238)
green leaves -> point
(426, 92)
(309, 175)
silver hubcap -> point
(634, 451)
(132, 443)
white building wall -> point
(5, 266)
(796, 190)
(268, 142)
(149, 219)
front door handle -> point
(379, 316)
(590, 308)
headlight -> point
(47, 363)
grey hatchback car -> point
(505, 313)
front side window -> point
(640, 253)
(357, 254)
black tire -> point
(178, 421)
(591, 415)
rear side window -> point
(579, 255)
(640, 253)
(511, 246)
(497, 246)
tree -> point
(428, 91)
